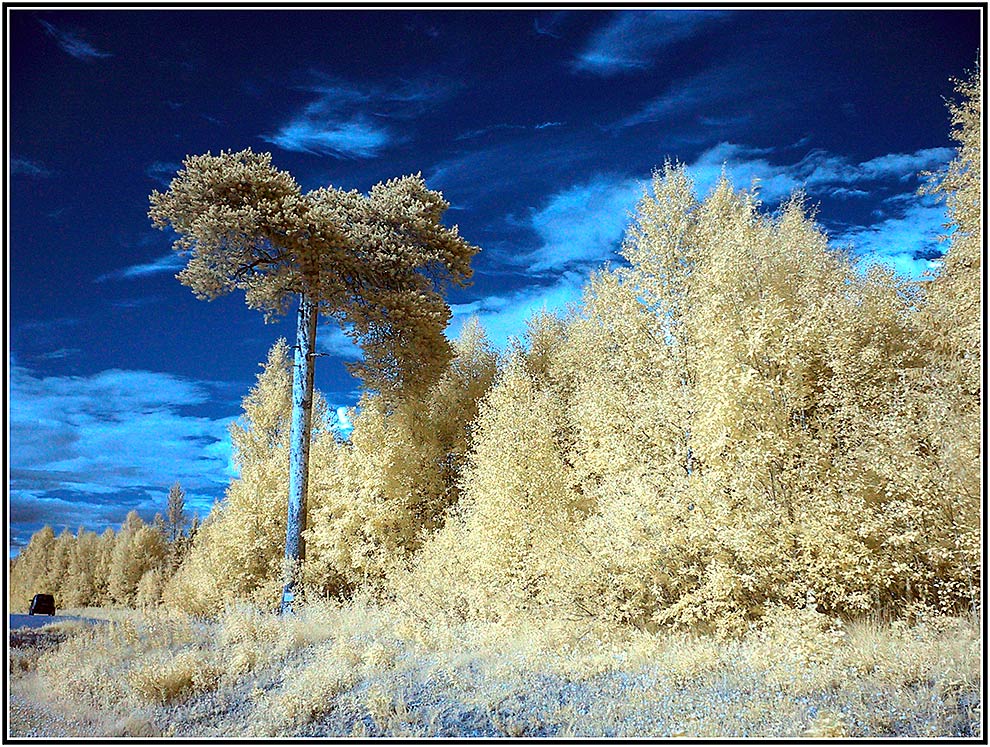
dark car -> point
(42, 604)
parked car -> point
(42, 604)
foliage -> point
(237, 553)
(138, 550)
(738, 420)
(376, 263)
(376, 497)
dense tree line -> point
(129, 567)
(735, 420)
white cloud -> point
(583, 224)
(333, 340)
(904, 235)
(109, 440)
(908, 241)
(341, 421)
(505, 316)
(347, 121)
(743, 165)
(818, 172)
(73, 44)
(632, 39)
(356, 138)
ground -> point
(357, 672)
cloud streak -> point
(27, 167)
(818, 172)
(718, 97)
(632, 40)
(349, 121)
(73, 44)
(167, 263)
(355, 138)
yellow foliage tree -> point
(238, 552)
(377, 496)
(29, 569)
(501, 545)
(139, 548)
(727, 426)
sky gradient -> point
(540, 127)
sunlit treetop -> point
(378, 263)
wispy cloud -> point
(59, 354)
(349, 121)
(583, 224)
(906, 239)
(506, 127)
(356, 138)
(167, 263)
(720, 96)
(504, 316)
(499, 172)
(818, 172)
(88, 449)
(904, 233)
(73, 44)
(333, 340)
(829, 169)
(472, 134)
(27, 167)
(632, 40)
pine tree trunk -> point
(299, 438)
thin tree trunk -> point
(299, 438)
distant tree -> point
(175, 513)
(149, 588)
(139, 548)
(377, 263)
(78, 588)
(30, 569)
(173, 526)
(101, 569)
(58, 564)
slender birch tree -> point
(377, 263)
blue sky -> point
(539, 126)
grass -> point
(365, 670)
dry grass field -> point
(365, 670)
